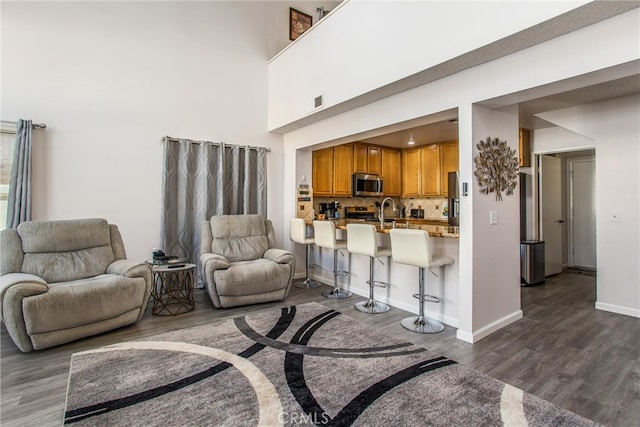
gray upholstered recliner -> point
(64, 280)
(240, 263)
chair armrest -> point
(128, 268)
(279, 255)
(14, 287)
(134, 270)
(212, 262)
(37, 283)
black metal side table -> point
(172, 290)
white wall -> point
(522, 76)
(615, 128)
(557, 139)
(365, 46)
(110, 79)
(495, 274)
(278, 15)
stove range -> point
(365, 213)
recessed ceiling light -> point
(411, 141)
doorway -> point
(566, 210)
(582, 209)
(552, 223)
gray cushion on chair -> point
(61, 251)
(239, 237)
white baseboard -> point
(476, 336)
(411, 308)
(618, 309)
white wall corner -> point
(618, 309)
(475, 336)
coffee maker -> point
(331, 209)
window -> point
(7, 137)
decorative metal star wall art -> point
(496, 167)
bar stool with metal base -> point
(298, 234)
(324, 233)
(363, 239)
(412, 247)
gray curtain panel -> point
(202, 179)
(19, 203)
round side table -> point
(172, 290)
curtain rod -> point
(169, 138)
(33, 125)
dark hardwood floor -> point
(563, 350)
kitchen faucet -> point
(381, 213)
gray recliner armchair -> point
(240, 263)
(65, 280)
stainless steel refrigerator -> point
(454, 198)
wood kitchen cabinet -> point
(430, 170)
(411, 172)
(425, 169)
(524, 153)
(448, 163)
(322, 166)
(391, 171)
(367, 159)
(342, 169)
(332, 171)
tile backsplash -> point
(433, 207)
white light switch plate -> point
(493, 217)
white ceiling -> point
(446, 129)
(427, 134)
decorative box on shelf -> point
(304, 202)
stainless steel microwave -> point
(367, 185)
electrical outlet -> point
(614, 216)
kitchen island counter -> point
(435, 229)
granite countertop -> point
(435, 228)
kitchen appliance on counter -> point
(330, 209)
(454, 198)
(367, 185)
(417, 213)
(365, 213)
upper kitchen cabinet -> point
(366, 159)
(342, 169)
(448, 163)
(391, 171)
(322, 165)
(421, 173)
(332, 171)
(430, 170)
(525, 148)
(426, 168)
(411, 172)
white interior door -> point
(551, 218)
(583, 213)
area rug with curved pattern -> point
(300, 365)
